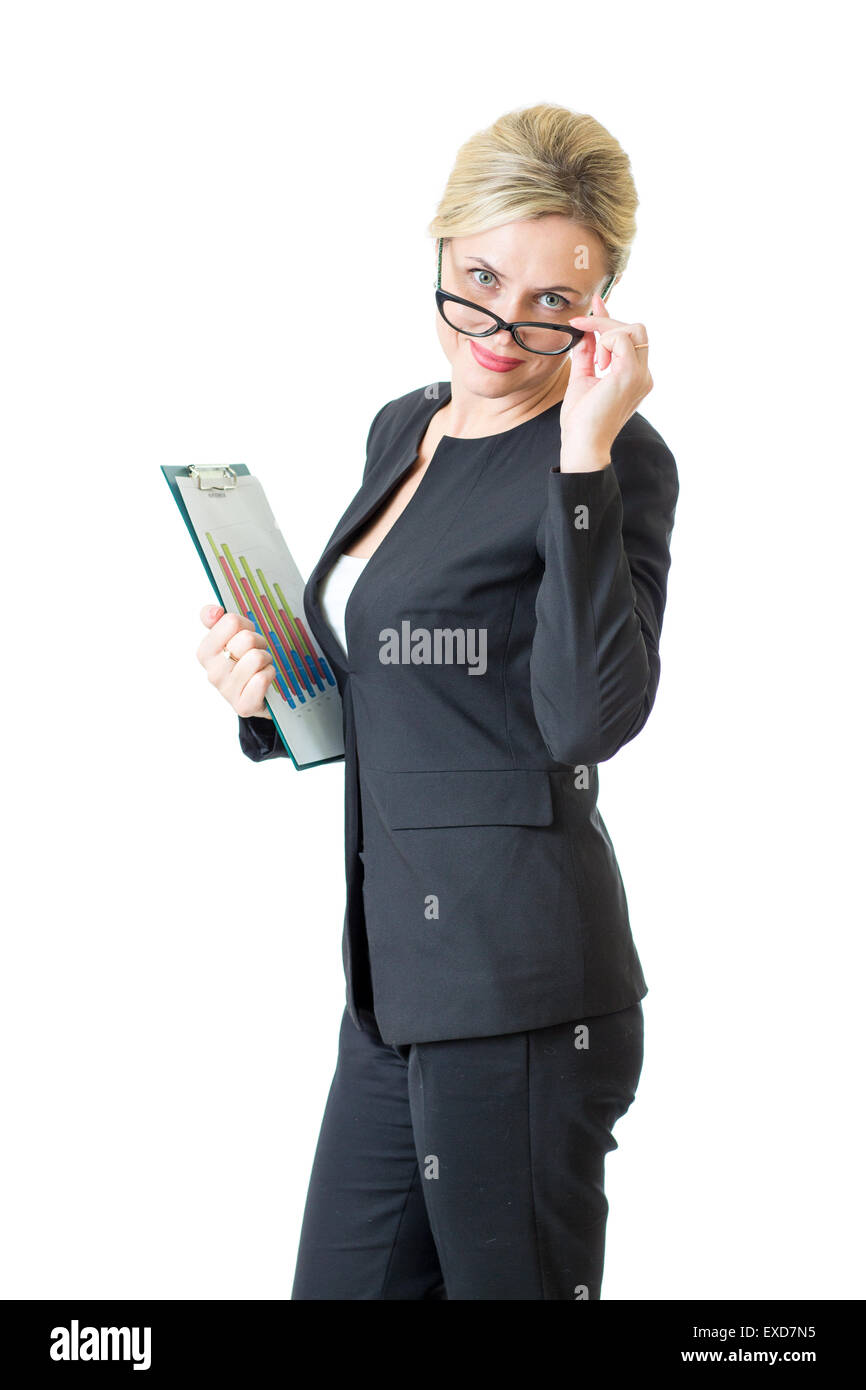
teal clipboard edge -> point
(171, 472)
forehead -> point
(537, 247)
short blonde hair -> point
(540, 160)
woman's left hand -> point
(594, 409)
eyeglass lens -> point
(475, 322)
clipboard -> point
(252, 572)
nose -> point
(503, 343)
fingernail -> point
(215, 610)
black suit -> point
(483, 892)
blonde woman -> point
(491, 603)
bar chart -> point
(256, 575)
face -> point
(544, 270)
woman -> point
(491, 603)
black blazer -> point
(483, 892)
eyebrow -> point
(545, 289)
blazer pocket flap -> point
(506, 796)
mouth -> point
(490, 359)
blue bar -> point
(308, 661)
(279, 646)
(280, 682)
(296, 655)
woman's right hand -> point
(246, 681)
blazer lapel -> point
(366, 502)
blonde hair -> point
(540, 160)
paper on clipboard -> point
(254, 573)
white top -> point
(334, 591)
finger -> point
(210, 613)
(583, 357)
(252, 696)
(597, 323)
(243, 646)
(252, 677)
(229, 675)
(226, 628)
(620, 343)
(617, 344)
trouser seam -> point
(412, 1182)
(429, 1206)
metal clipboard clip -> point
(210, 479)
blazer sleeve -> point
(258, 737)
(604, 538)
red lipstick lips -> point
(491, 361)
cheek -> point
(447, 337)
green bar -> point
(292, 642)
(250, 576)
(235, 571)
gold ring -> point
(639, 345)
(229, 656)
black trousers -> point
(470, 1168)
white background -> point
(214, 240)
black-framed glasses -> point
(548, 339)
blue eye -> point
(557, 308)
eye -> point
(562, 302)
